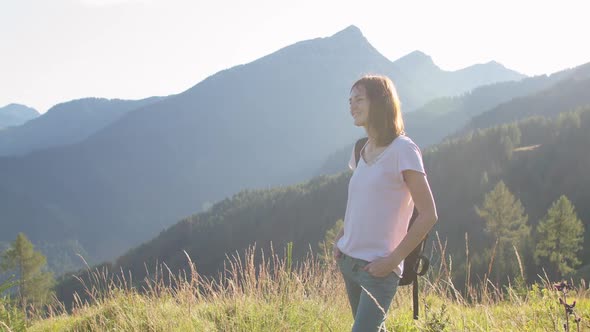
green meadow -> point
(273, 294)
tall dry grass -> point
(259, 291)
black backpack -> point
(416, 264)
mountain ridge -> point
(66, 123)
(266, 123)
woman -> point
(387, 183)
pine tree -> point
(34, 284)
(506, 223)
(560, 236)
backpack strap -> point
(358, 146)
(415, 296)
(421, 266)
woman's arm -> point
(422, 195)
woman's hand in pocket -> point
(381, 267)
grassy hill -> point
(277, 296)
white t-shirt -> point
(379, 204)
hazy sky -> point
(53, 51)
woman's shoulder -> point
(403, 147)
(403, 141)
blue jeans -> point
(367, 315)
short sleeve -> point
(410, 158)
(352, 161)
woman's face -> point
(359, 106)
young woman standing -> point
(388, 181)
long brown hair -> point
(385, 114)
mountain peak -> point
(417, 56)
(492, 64)
(492, 69)
(351, 31)
(13, 107)
(16, 114)
(416, 59)
(352, 41)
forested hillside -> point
(461, 172)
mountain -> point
(66, 123)
(15, 115)
(567, 94)
(484, 74)
(426, 81)
(443, 116)
(266, 123)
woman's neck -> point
(371, 134)
(372, 138)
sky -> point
(60, 50)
